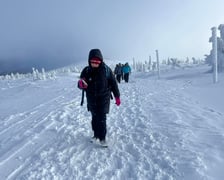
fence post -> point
(214, 54)
(157, 59)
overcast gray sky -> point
(59, 31)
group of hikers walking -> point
(122, 72)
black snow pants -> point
(118, 77)
(99, 126)
(126, 77)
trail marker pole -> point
(214, 54)
(157, 59)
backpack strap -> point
(83, 91)
(107, 71)
(108, 77)
(82, 100)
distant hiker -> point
(122, 76)
(127, 71)
(118, 72)
(98, 81)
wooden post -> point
(214, 54)
(157, 59)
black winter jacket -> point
(101, 82)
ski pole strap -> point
(82, 100)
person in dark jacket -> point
(98, 82)
(118, 72)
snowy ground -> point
(171, 128)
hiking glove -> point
(118, 101)
(82, 84)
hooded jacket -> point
(101, 82)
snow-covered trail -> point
(158, 132)
(172, 132)
(186, 130)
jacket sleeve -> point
(83, 75)
(113, 85)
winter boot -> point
(93, 139)
(103, 143)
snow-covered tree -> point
(43, 74)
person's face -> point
(95, 63)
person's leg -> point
(119, 78)
(127, 77)
(94, 125)
(101, 126)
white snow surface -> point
(164, 129)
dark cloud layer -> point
(53, 33)
(37, 34)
